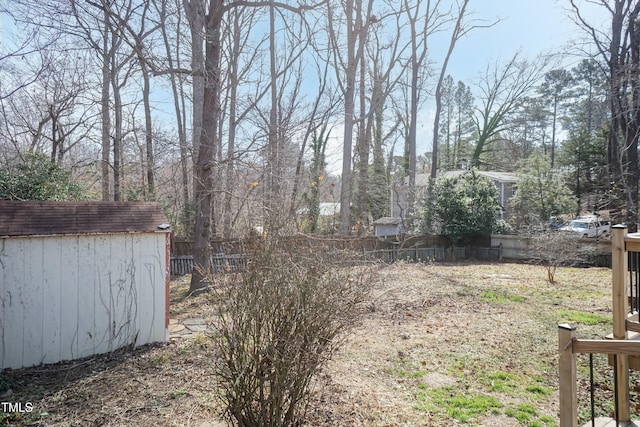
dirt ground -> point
(439, 345)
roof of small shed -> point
(387, 221)
(36, 218)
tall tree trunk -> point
(356, 38)
(273, 145)
(233, 90)
(105, 111)
(553, 131)
(150, 163)
(363, 143)
(617, 125)
(204, 167)
(177, 92)
(117, 137)
(633, 131)
(411, 145)
(196, 15)
(457, 32)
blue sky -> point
(530, 26)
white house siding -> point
(67, 297)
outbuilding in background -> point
(81, 278)
(387, 226)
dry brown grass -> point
(432, 333)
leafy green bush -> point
(37, 178)
(462, 207)
(279, 321)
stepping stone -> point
(182, 334)
(193, 321)
(174, 329)
(198, 328)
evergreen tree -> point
(541, 193)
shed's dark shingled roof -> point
(51, 218)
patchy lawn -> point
(439, 345)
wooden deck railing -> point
(625, 324)
(570, 347)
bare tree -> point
(460, 29)
(196, 13)
(26, 42)
(51, 116)
(620, 50)
(164, 12)
(424, 19)
(204, 167)
(285, 79)
(502, 89)
(355, 18)
(240, 19)
(379, 74)
(209, 144)
(321, 110)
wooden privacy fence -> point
(420, 254)
(181, 265)
(222, 263)
(624, 345)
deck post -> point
(567, 377)
(620, 309)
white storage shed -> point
(81, 278)
(387, 226)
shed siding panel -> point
(119, 312)
(13, 333)
(123, 295)
(136, 277)
(152, 258)
(70, 249)
(161, 288)
(105, 278)
(51, 296)
(87, 273)
(32, 297)
(146, 309)
(4, 261)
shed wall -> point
(68, 297)
(381, 230)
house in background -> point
(328, 214)
(81, 278)
(324, 209)
(505, 182)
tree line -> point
(227, 112)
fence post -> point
(567, 377)
(620, 310)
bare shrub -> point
(557, 248)
(279, 321)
